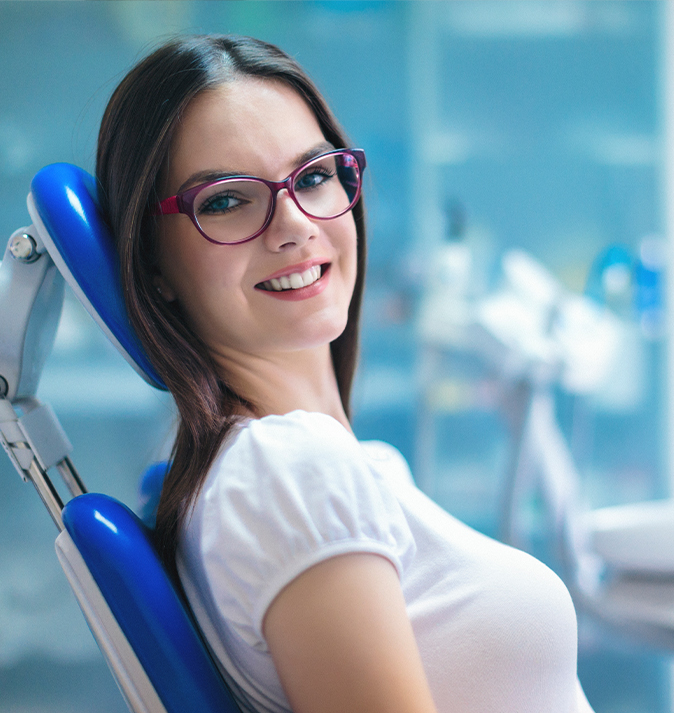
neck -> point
(280, 383)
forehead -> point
(248, 125)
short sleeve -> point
(286, 493)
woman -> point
(322, 578)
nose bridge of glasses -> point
(277, 186)
(286, 184)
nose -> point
(289, 226)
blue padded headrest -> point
(65, 206)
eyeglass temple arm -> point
(166, 207)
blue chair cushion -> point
(116, 548)
(149, 492)
(83, 250)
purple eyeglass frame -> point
(184, 202)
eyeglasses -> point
(236, 209)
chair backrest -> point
(168, 664)
(135, 612)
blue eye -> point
(313, 178)
(221, 203)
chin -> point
(323, 336)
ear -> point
(165, 291)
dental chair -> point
(135, 612)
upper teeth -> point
(293, 281)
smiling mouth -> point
(294, 281)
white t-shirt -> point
(495, 627)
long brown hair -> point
(133, 146)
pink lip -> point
(300, 267)
(303, 293)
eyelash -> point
(204, 208)
(317, 170)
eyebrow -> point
(213, 175)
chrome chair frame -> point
(136, 613)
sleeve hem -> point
(332, 549)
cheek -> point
(349, 243)
(200, 275)
(175, 248)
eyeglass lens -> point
(232, 210)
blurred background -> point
(511, 146)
